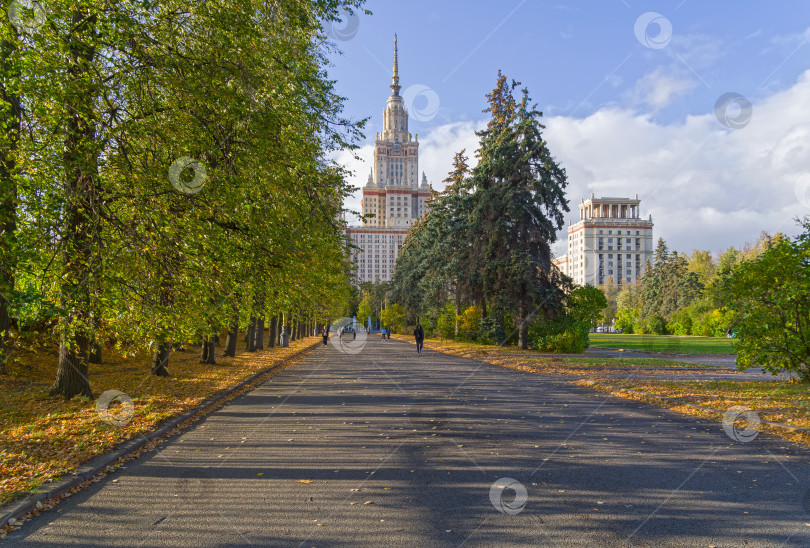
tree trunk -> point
(160, 360)
(259, 335)
(71, 375)
(209, 350)
(523, 328)
(458, 312)
(95, 352)
(230, 340)
(81, 196)
(10, 120)
(273, 332)
(250, 336)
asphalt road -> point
(387, 448)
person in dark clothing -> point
(325, 334)
(419, 335)
(388, 333)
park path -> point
(387, 448)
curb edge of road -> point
(20, 509)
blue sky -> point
(629, 91)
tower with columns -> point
(610, 244)
(393, 195)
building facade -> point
(393, 192)
(610, 244)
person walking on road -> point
(419, 335)
(325, 335)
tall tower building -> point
(610, 244)
(393, 193)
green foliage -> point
(770, 298)
(657, 325)
(568, 332)
(485, 240)
(446, 322)
(626, 319)
(469, 324)
(586, 304)
(393, 316)
(564, 335)
(667, 287)
(113, 93)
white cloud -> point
(660, 87)
(705, 186)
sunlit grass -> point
(664, 343)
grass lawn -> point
(674, 344)
(45, 438)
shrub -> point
(625, 320)
(564, 335)
(657, 325)
(446, 322)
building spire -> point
(395, 87)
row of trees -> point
(679, 293)
(163, 175)
(760, 296)
(480, 259)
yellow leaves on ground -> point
(45, 438)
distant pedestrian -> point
(388, 333)
(382, 332)
(325, 334)
(419, 335)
